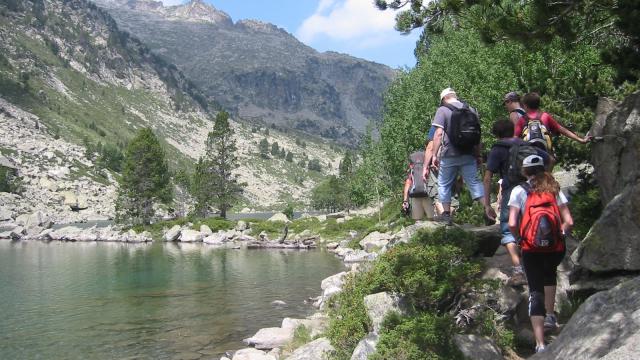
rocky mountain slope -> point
(258, 71)
(69, 77)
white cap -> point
(532, 160)
(445, 92)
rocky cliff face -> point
(259, 71)
(69, 77)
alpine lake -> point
(147, 301)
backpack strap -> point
(527, 187)
(450, 107)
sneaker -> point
(550, 322)
(517, 279)
(445, 217)
(540, 348)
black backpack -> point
(463, 129)
(512, 169)
(418, 187)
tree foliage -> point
(215, 182)
(609, 25)
(145, 179)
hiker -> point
(540, 217)
(511, 101)
(457, 150)
(537, 127)
(505, 159)
(418, 189)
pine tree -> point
(289, 157)
(215, 183)
(264, 148)
(145, 179)
(275, 149)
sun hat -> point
(445, 92)
(532, 160)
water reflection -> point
(103, 300)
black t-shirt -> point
(499, 156)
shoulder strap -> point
(526, 186)
(450, 107)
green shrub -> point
(215, 224)
(288, 211)
(585, 206)
(424, 336)
(429, 271)
(272, 228)
(301, 336)
(9, 182)
(469, 211)
(487, 323)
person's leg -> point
(533, 268)
(550, 280)
(508, 240)
(469, 168)
(427, 206)
(417, 211)
(446, 176)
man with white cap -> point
(453, 159)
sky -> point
(354, 27)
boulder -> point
(380, 305)
(38, 219)
(365, 347)
(75, 202)
(330, 286)
(279, 217)
(407, 233)
(17, 233)
(205, 230)
(606, 326)
(613, 243)
(375, 240)
(172, 234)
(216, 239)
(252, 354)
(359, 256)
(241, 226)
(317, 349)
(5, 214)
(48, 184)
(488, 239)
(615, 157)
(190, 236)
(336, 215)
(269, 338)
(475, 347)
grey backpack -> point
(418, 187)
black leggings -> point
(541, 271)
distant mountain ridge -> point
(258, 71)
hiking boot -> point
(540, 348)
(517, 279)
(550, 322)
(445, 217)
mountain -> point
(258, 71)
(72, 82)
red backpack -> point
(540, 227)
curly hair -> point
(541, 180)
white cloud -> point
(349, 20)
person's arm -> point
(437, 141)
(571, 135)
(488, 176)
(428, 155)
(567, 220)
(513, 221)
(405, 193)
(517, 130)
(514, 116)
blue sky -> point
(353, 27)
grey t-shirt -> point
(441, 120)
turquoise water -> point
(118, 301)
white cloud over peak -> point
(349, 20)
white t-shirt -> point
(519, 197)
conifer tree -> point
(145, 179)
(264, 148)
(215, 182)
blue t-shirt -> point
(432, 133)
(499, 156)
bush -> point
(585, 206)
(430, 271)
(214, 223)
(288, 211)
(9, 182)
(425, 336)
(272, 228)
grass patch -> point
(301, 336)
(158, 229)
(273, 229)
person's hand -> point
(490, 213)
(586, 139)
(479, 160)
(425, 173)
(405, 206)
(435, 164)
